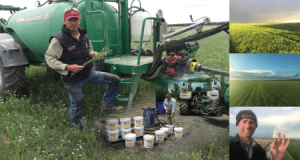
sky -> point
(173, 11)
(264, 11)
(284, 120)
(264, 66)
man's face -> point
(246, 128)
(168, 98)
(72, 24)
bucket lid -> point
(138, 117)
(125, 119)
(165, 129)
(115, 131)
(130, 135)
(141, 127)
(148, 136)
(112, 121)
(178, 128)
(159, 132)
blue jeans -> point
(75, 91)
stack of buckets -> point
(130, 138)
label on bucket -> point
(126, 133)
(112, 127)
(113, 136)
(138, 123)
(149, 143)
(126, 125)
(129, 143)
(178, 134)
(138, 132)
(159, 137)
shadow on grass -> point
(283, 26)
(219, 123)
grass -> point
(264, 38)
(293, 150)
(264, 93)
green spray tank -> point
(33, 28)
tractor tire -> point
(12, 78)
(184, 107)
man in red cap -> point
(68, 50)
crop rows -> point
(264, 93)
(264, 38)
(293, 151)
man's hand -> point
(172, 115)
(95, 54)
(278, 148)
(166, 111)
(74, 68)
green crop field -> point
(37, 125)
(264, 93)
(264, 38)
(293, 151)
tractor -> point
(197, 95)
(24, 40)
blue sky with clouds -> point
(264, 66)
(264, 11)
(284, 120)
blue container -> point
(149, 115)
(160, 108)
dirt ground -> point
(263, 142)
(196, 130)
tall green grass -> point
(264, 38)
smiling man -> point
(68, 51)
(244, 147)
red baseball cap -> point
(71, 13)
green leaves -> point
(104, 51)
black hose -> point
(153, 75)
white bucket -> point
(112, 124)
(138, 121)
(130, 140)
(159, 135)
(178, 132)
(125, 132)
(139, 131)
(125, 123)
(166, 130)
(170, 128)
(148, 141)
(113, 135)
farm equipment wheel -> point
(184, 107)
(12, 78)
